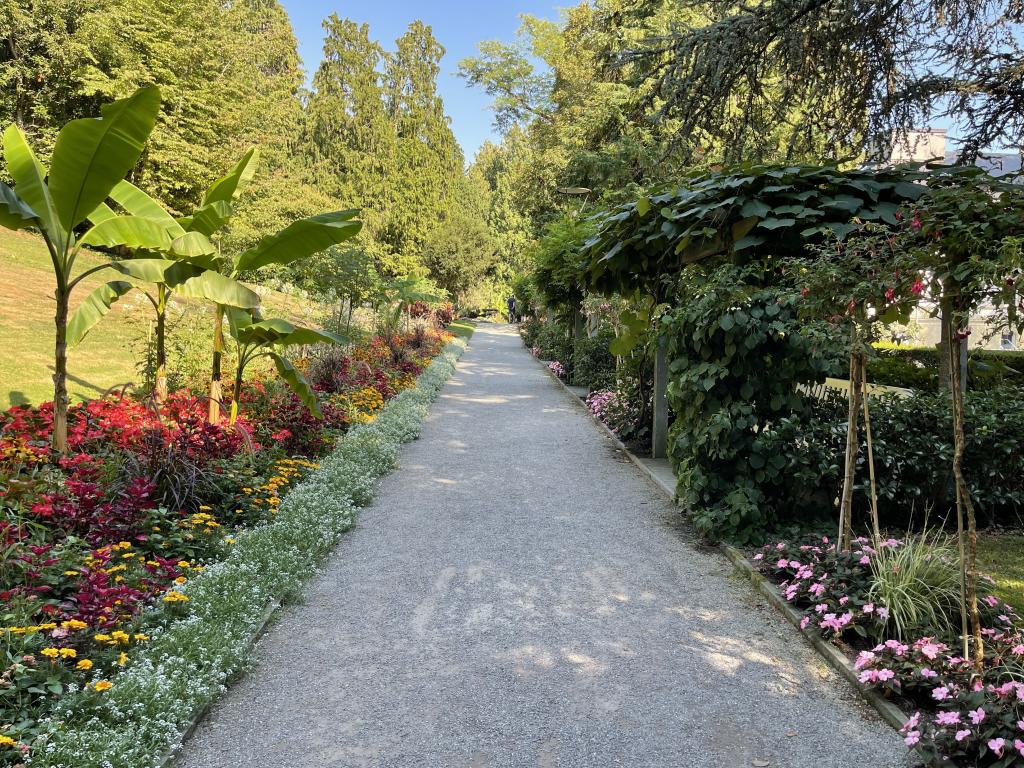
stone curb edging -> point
(171, 756)
(835, 658)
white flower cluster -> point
(189, 662)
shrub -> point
(554, 343)
(593, 365)
(912, 443)
(918, 368)
(529, 330)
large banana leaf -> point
(226, 188)
(302, 336)
(95, 306)
(155, 270)
(193, 246)
(220, 289)
(298, 384)
(30, 177)
(92, 155)
(101, 214)
(209, 218)
(15, 212)
(129, 231)
(300, 239)
(138, 203)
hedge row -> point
(918, 368)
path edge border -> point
(835, 658)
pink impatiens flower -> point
(927, 673)
(996, 745)
(912, 738)
(948, 718)
(865, 560)
(941, 694)
(868, 608)
(883, 613)
(961, 735)
(977, 716)
(930, 650)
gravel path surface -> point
(520, 595)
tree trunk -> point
(965, 507)
(852, 445)
(216, 388)
(160, 389)
(60, 374)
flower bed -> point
(957, 716)
(135, 567)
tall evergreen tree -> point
(431, 158)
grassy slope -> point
(107, 357)
(462, 328)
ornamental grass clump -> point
(919, 584)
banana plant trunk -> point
(160, 390)
(216, 384)
(60, 373)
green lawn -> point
(462, 328)
(1002, 557)
(108, 356)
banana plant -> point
(255, 338)
(90, 157)
(401, 293)
(191, 266)
(299, 240)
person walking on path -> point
(512, 309)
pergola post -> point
(659, 431)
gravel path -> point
(520, 595)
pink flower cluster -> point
(557, 368)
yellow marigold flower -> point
(175, 597)
(50, 653)
(118, 636)
(180, 580)
(128, 555)
(101, 638)
(83, 665)
(205, 508)
(229, 541)
(48, 625)
(73, 624)
(7, 741)
(122, 659)
(141, 638)
(71, 573)
(103, 685)
(184, 564)
(68, 653)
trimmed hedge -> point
(190, 660)
(913, 447)
(918, 368)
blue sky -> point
(458, 24)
